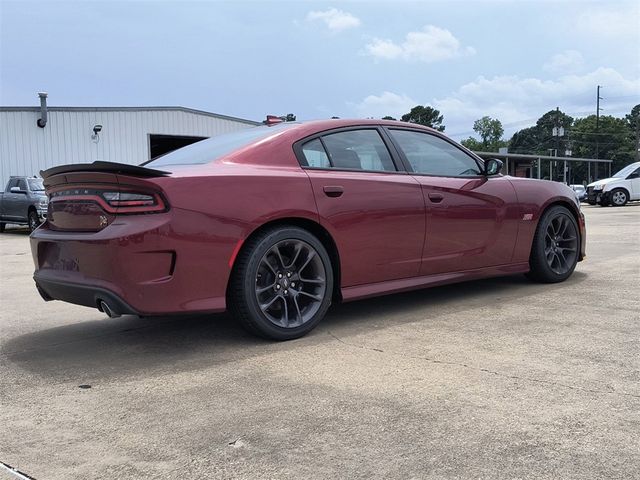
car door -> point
(471, 218)
(373, 210)
(634, 180)
(12, 201)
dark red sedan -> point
(276, 222)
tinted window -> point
(13, 182)
(35, 185)
(213, 148)
(432, 155)
(358, 149)
(315, 155)
(22, 185)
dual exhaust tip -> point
(105, 308)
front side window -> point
(351, 150)
(431, 155)
(36, 185)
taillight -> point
(134, 202)
(112, 201)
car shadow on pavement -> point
(102, 349)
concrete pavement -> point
(498, 378)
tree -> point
(472, 144)
(633, 119)
(612, 140)
(489, 129)
(539, 139)
(425, 115)
(387, 117)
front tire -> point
(619, 197)
(554, 253)
(34, 220)
(282, 283)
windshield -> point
(211, 149)
(35, 184)
(626, 170)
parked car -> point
(621, 188)
(23, 203)
(277, 222)
(581, 192)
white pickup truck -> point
(623, 187)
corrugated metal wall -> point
(25, 149)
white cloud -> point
(388, 103)
(335, 20)
(620, 22)
(431, 44)
(518, 102)
(569, 61)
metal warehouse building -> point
(36, 138)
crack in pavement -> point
(483, 370)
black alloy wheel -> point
(555, 249)
(282, 283)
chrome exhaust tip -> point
(104, 307)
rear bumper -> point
(88, 296)
(144, 264)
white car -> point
(623, 187)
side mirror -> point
(493, 166)
(17, 190)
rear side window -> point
(351, 150)
(315, 154)
(211, 149)
(431, 155)
(22, 185)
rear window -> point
(211, 149)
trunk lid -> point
(89, 197)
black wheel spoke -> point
(312, 280)
(279, 257)
(298, 249)
(285, 313)
(314, 297)
(308, 259)
(298, 313)
(264, 289)
(266, 263)
(265, 306)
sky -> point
(511, 60)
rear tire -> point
(281, 284)
(619, 197)
(555, 249)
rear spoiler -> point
(107, 167)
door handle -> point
(333, 190)
(436, 197)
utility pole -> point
(558, 131)
(638, 138)
(598, 98)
